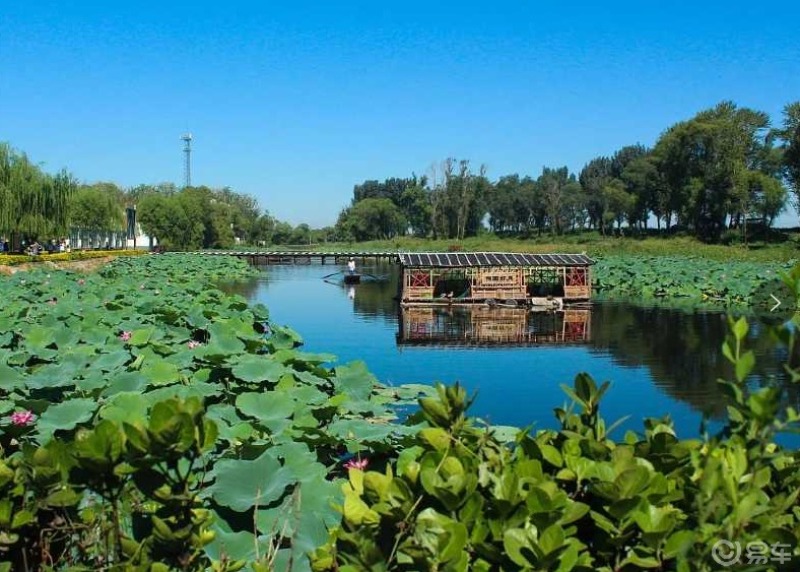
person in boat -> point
(351, 266)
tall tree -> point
(791, 146)
(32, 202)
(556, 186)
(705, 162)
(594, 176)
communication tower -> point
(187, 156)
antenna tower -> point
(187, 156)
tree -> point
(282, 233)
(618, 203)
(416, 207)
(705, 162)
(558, 190)
(643, 180)
(371, 219)
(32, 202)
(301, 234)
(765, 196)
(97, 208)
(791, 146)
(262, 229)
(593, 177)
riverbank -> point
(82, 261)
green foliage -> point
(168, 419)
(460, 498)
(97, 208)
(372, 218)
(649, 277)
(161, 424)
(790, 134)
(31, 201)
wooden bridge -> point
(302, 257)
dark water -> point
(659, 361)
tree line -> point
(37, 206)
(722, 169)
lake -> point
(659, 361)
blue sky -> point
(295, 104)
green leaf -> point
(241, 485)
(10, 378)
(256, 368)
(125, 407)
(141, 337)
(161, 373)
(272, 408)
(745, 365)
(519, 548)
(436, 437)
(354, 380)
(740, 328)
(64, 416)
(632, 481)
(678, 543)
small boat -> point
(352, 278)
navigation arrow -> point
(776, 300)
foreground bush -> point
(151, 422)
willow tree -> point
(32, 202)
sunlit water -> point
(660, 362)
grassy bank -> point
(591, 243)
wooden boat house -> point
(503, 277)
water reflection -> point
(491, 326)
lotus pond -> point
(149, 421)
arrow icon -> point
(778, 302)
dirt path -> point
(89, 265)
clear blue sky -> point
(296, 102)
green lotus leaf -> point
(125, 407)
(354, 380)
(126, 381)
(10, 378)
(64, 416)
(272, 409)
(161, 372)
(242, 485)
(257, 368)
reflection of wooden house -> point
(486, 326)
(460, 277)
(498, 324)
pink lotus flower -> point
(125, 336)
(359, 464)
(22, 418)
(81, 282)
(193, 344)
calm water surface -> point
(658, 361)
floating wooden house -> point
(503, 277)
